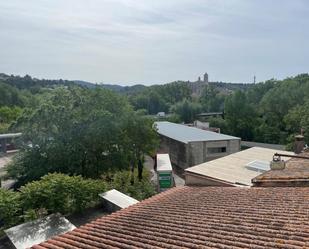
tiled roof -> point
(201, 217)
(296, 173)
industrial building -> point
(232, 170)
(188, 146)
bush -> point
(10, 208)
(61, 193)
(140, 190)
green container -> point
(165, 180)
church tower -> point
(206, 78)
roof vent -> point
(277, 163)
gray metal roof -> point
(10, 135)
(188, 134)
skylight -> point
(258, 165)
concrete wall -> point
(198, 180)
(199, 151)
(187, 155)
(177, 151)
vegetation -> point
(61, 193)
(81, 131)
(10, 208)
(79, 141)
(138, 189)
(187, 110)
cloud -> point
(129, 41)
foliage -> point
(187, 110)
(61, 193)
(219, 122)
(7, 116)
(160, 98)
(269, 112)
(139, 190)
(11, 96)
(10, 208)
(297, 119)
(212, 100)
(52, 193)
(80, 131)
(240, 116)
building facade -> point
(188, 146)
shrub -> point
(61, 193)
(10, 208)
(122, 181)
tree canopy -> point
(80, 131)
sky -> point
(148, 42)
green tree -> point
(80, 131)
(187, 110)
(212, 100)
(240, 116)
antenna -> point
(254, 79)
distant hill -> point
(27, 82)
(113, 87)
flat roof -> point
(201, 217)
(10, 135)
(232, 168)
(120, 199)
(34, 232)
(186, 134)
(164, 162)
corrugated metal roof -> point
(188, 134)
(232, 168)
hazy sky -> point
(154, 41)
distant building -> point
(204, 116)
(188, 146)
(198, 86)
(206, 78)
(161, 114)
(232, 170)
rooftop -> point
(10, 135)
(296, 173)
(233, 168)
(164, 163)
(201, 217)
(118, 198)
(188, 134)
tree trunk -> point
(140, 169)
(132, 172)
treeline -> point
(32, 84)
(270, 112)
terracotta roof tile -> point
(296, 173)
(201, 217)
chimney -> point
(277, 163)
(299, 143)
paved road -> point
(4, 160)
